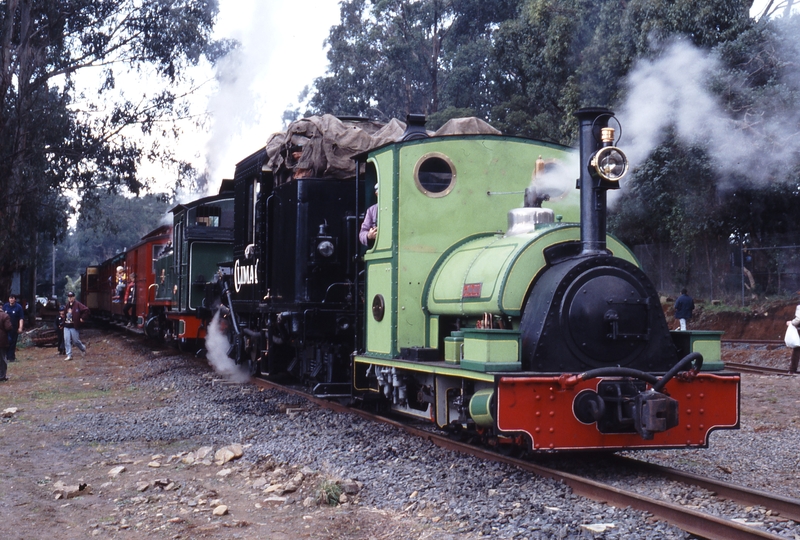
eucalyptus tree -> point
(388, 58)
(55, 141)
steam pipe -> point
(227, 292)
(593, 197)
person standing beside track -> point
(17, 315)
(795, 350)
(5, 328)
(76, 314)
(684, 306)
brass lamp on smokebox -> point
(609, 164)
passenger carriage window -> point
(208, 216)
(435, 175)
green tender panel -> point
(203, 261)
(502, 268)
(380, 263)
(709, 345)
(706, 342)
(379, 333)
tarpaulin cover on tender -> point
(324, 146)
(466, 126)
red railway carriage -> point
(140, 265)
(104, 285)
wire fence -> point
(726, 271)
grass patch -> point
(329, 492)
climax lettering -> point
(244, 274)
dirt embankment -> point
(766, 322)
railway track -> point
(689, 519)
(757, 345)
(766, 342)
(752, 368)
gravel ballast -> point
(411, 478)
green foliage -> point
(109, 224)
(52, 140)
(671, 198)
(523, 65)
(388, 58)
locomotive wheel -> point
(154, 329)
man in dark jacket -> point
(75, 315)
(17, 315)
(684, 306)
(5, 328)
(60, 320)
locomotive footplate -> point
(616, 412)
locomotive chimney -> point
(593, 193)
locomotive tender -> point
(468, 311)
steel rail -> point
(754, 341)
(784, 506)
(687, 519)
(750, 368)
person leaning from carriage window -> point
(369, 228)
(129, 311)
(795, 350)
(119, 287)
(684, 306)
(17, 315)
(75, 315)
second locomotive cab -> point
(490, 300)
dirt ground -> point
(54, 488)
(764, 322)
(51, 487)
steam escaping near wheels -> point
(217, 347)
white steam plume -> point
(217, 346)
(233, 108)
(672, 91)
(281, 51)
(560, 179)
